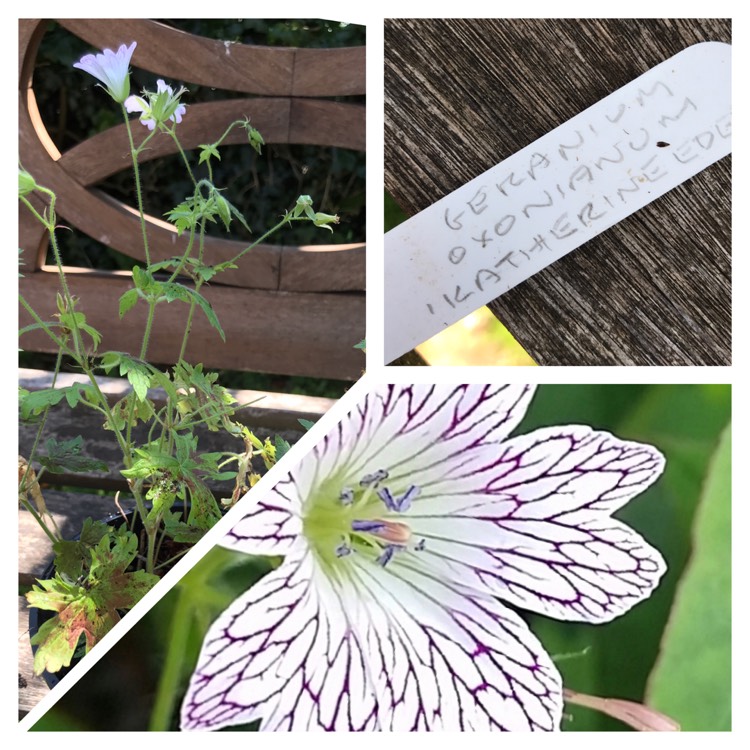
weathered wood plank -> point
(190, 58)
(280, 120)
(461, 95)
(281, 332)
(31, 689)
(252, 69)
(321, 268)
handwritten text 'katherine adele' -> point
(576, 184)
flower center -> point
(340, 521)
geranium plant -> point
(107, 570)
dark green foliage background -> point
(684, 422)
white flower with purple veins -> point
(401, 532)
(111, 68)
(161, 106)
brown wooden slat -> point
(321, 124)
(31, 689)
(277, 71)
(190, 58)
(293, 333)
(329, 72)
(316, 122)
(461, 95)
(321, 268)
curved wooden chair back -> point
(288, 310)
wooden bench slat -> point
(322, 268)
(288, 332)
(279, 71)
(325, 123)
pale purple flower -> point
(162, 106)
(401, 532)
(111, 68)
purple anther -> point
(343, 550)
(404, 502)
(388, 553)
(347, 496)
(420, 545)
(399, 504)
(374, 478)
(387, 498)
(368, 526)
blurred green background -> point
(478, 339)
(672, 651)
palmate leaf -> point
(35, 402)
(174, 291)
(128, 300)
(282, 447)
(89, 610)
(66, 456)
(138, 373)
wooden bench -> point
(286, 310)
(462, 95)
(290, 310)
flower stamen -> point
(399, 504)
(373, 479)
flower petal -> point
(283, 652)
(534, 526)
(271, 526)
(371, 651)
(451, 659)
(413, 430)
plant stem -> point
(169, 680)
(260, 239)
(139, 197)
(182, 153)
(59, 342)
(38, 518)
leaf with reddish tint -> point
(91, 610)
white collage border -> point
(372, 16)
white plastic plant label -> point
(557, 193)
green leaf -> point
(36, 402)
(180, 531)
(138, 373)
(66, 456)
(282, 447)
(128, 300)
(306, 423)
(691, 681)
(177, 291)
(58, 638)
(361, 345)
(207, 151)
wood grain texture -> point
(462, 95)
(253, 69)
(278, 332)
